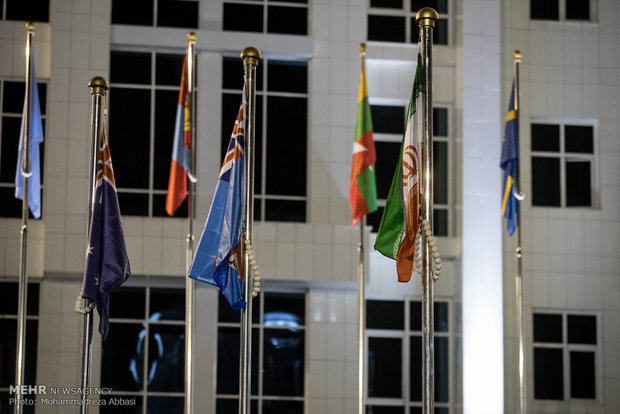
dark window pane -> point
(440, 32)
(130, 67)
(544, 10)
(165, 118)
(548, 374)
(387, 4)
(287, 76)
(33, 10)
(440, 122)
(545, 137)
(10, 134)
(285, 210)
(278, 407)
(415, 316)
(167, 304)
(581, 329)
(133, 204)
(283, 362)
(8, 351)
(287, 20)
(9, 298)
(386, 28)
(440, 310)
(547, 328)
(135, 12)
(228, 360)
(177, 13)
(166, 358)
(388, 119)
(545, 181)
(440, 172)
(122, 357)
(442, 369)
(286, 146)
(387, 161)
(131, 404)
(13, 98)
(159, 207)
(384, 367)
(582, 375)
(232, 74)
(377, 409)
(440, 222)
(415, 368)
(385, 314)
(285, 309)
(374, 219)
(243, 17)
(168, 69)
(579, 138)
(578, 191)
(441, 6)
(227, 314)
(578, 9)
(10, 206)
(127, 302)
(129, 136)
(226, 405)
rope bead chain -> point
(80, 304)
(432, 245)
(255, 272)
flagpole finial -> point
(516, 56)
(427, 16)
(30, 27)
(98, 85)
(251, 55)
(191, 37)
(362, 48)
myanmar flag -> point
(363, 189)
(401, 217)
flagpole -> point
(190, 284)
(426, 19)
(23, 250)
(98, 87)
(516, 56)
(250, 57)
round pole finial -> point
(250, 55)
(98, 85)
(191, 37)
(427, 16)
(30, 27)
(362, 47)
(516, 56)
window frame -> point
(567, 157)
(593, 11)
(265, 4)
(155, 15)
(567, 348)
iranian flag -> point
(401, 217)
(363, 189)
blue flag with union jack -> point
(510, 164)
(107, 264)
(217, 260)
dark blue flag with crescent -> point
(107, 264)
(510, 164)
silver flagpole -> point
(23, 249)
(98, 87)
(426, 19)
(519, 255)
(191, 204)
(250, 57)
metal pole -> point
(361, 307)
(189, 252)
(519, 255)
(23, 249)
(250, 57)
(426, 19)
(98, 87)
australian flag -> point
(107, 265)
(510, 164)
(217, 260)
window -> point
(12, 109)
(280, 134)
(394, 379)
(143, 358)
(562, 164)
(160, 13)
(267, 16)
(278, 354)
(565, 356)
(34, 10)
(560, 10)
(394, 21)
(388, 123)
(142, 104)
(8, 340)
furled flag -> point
(510, 163)
(401, 217)
(363, 189)
(217, 260)
(35, 138)
(177, 182)
(107, 265)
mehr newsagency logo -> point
(65, 396)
